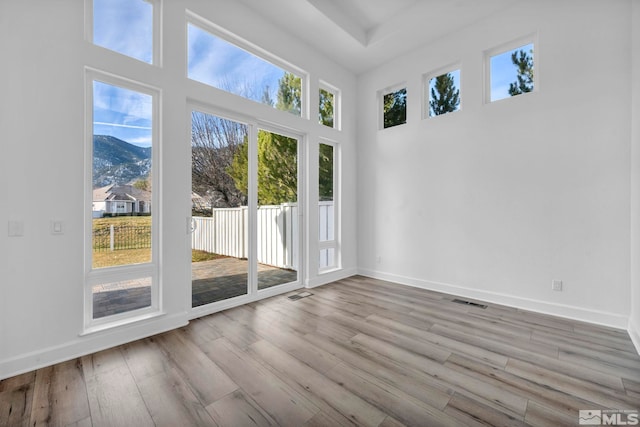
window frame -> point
(426, 91)
(504, 48)
(112, 274)
(251, 48)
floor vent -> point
(299, 296)
(473, 304)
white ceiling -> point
(361, 34)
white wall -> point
(634, 320)
(495, 201)
(41, 132)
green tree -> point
(289, 94)
(445, 97)
(325, 169)
(524, 63)
(326, 112)
(277, 154)
(395, 108)
(277, 169)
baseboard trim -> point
(88, 344)
(330, 276)
(566, 311)
(634, 333)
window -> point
(443, 93)
(121, 260)
(510, 70)
(394, 108)
(223, 65)
(327, 206)
(328, 106)
(125, 26)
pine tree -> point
(445, 97)
(524, 62)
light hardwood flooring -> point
(357, 352)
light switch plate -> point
(57, 227)
(16, 228)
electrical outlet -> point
(556, 285)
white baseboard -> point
(634, 333)
(330, 276)
(570, 312)
(88, 344)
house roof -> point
(127, 193)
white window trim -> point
(125, 272)
(426, 80)
(503, 48)
(253, 49)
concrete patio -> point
(212, 281)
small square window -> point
(443, 93)
(394, 108)
(125, 26)
(511, 72)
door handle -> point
(192, 225)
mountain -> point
(117, 162)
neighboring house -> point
(120, 200)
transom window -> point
(328, 105)
(125, 26)
(510, 70)
(223, 65)
(394, 107)
(443, 93)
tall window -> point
(511, 71)
(125, 26)
(121, 267)
(223, 65)
(327, 207)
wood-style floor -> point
(359, 351)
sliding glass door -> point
(245, 226)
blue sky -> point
(125, 26)
(122, 113)
(504, 72)
(215, 62)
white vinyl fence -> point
(226, 233)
